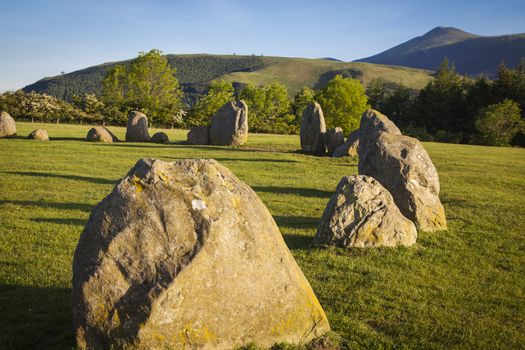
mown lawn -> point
(463, 288)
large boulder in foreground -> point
(100, 134)
(350, 147)
(7, 125)
(362, 213)
(137, 127)
(403, 167)
(199, 135)
(229, 125)
(333, 139)
(185, 256)
(313, 128)
(39, 135)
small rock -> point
(38, 134)
(101, 134)
(333, 139)
(350, 147)
(160, 137)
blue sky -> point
(45, 37)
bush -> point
(499, 123)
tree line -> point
(451, 108)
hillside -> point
(195, 71)
(471, 54)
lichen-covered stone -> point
(199, 135)
(185, 256)
(313, 128)
(7, 125)
(39, 135)
(362, 213)
(137, 127)
(160, 137)
(100, 134)
(229, 125)
(333, 139)
(372, 124)
(403, 167)
(350, 147)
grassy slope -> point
(298, 72)
(462, 288)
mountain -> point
(196, 71)
(471, 54)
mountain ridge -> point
(471, 54)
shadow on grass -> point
(261, 160)
(304, 192)
(53, 205)
(35, 318)
(297, 222)
(61, 221)
(297, 241)
(95, 180)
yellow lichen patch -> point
(192, 335)
(137, 182)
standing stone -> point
(137, 128)
(7, 125)
(185, 256)
(229, 125)
(39, 135)
(199, 135)
(350, 147)
(403, 167)
(101, 134)
(160, 137)
(362, 213)
(333, 139)
(313, 128)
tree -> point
(147, 84)
(219, 93)
(398, 106)
(302, 99)
(377, 93)
(343, 101)
(498, 123)
(441, 104)
(269, 108)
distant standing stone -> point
(101, 134)
(160, 137)
(362, 213)
(137, 128)
(350, 147)
(38, 134)
(199, 135)
(229, 125)
(184, 255)
(334, 138)
(7, 125)
(313, 128)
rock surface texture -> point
(100, 134)
(199, 135)
(7, 125)
(313, 128)
(160, 137)
(362, 213)
(137, 127)
(403, 167)
(333, 139)
(229, 125)
(185, 256)
(38, 134)
(350, 147)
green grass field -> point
(463, 288)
